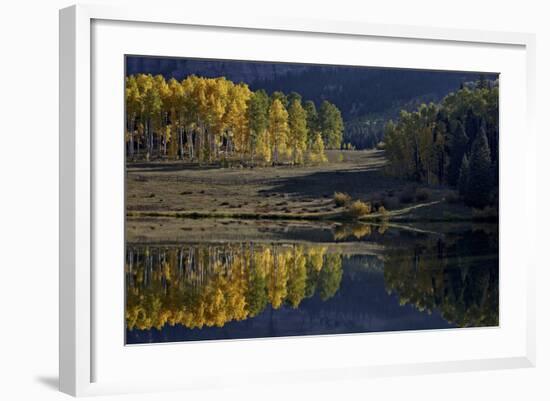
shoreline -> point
(339, 216)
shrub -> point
(359, 208)
(422, 194)
(341, 198)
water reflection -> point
(246, 290)
(458, 278)
(210, 285)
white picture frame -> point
(78, 225)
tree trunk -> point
(276, 153)
(181, 133)
(131, 129)
(147, 141)
(190, 144)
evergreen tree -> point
(297, 136)
(292, 96)
(396, 150)
(331, 125)
(463, 177)
(312, 121)
(281, 97)
(458, 148)
(482, 82)
(258, 109)
(479, 180)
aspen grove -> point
(207, 120)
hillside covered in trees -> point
(367, 97)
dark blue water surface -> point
(408, 281)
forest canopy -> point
(452, 143)
(211, 119)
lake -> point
(349, 279)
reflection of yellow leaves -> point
(383, 228)
(201, 286)
(297, 278)
(315, 255)
(357, 230)
(361, 230)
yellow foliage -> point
(212, 285)
(359, 208)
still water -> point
(364, 280)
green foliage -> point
(429, 145)
(365, 132)
(330, 277)
(312, 121)
(297, 137)
(464, 176)
(280, 96)
(479, 186)
(258, 109)
(293, 96)
(331, 125)
(466, 295)
(459, 146)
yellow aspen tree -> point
(217, 100)
(317, 151)
(237, 119)
(199, 96)
(278, 129)
(176, 118)
(165, 95)
(133, 110)
(190, 113)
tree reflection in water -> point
(459, 278)
(210, 285)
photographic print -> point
(269, 199)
